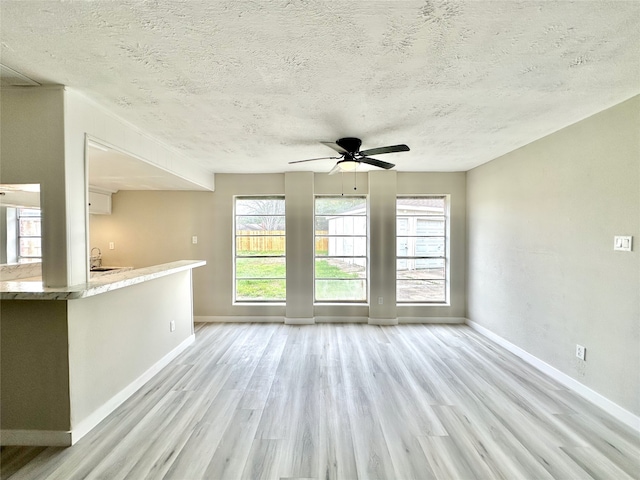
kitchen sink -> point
(104, 269)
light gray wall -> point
(299, 205)
(43, 132)
(542, 272)
(33, 151)
(85, 119)
(454, 185)
(34, 385)
(382, 245)
(155, 227)
(117, 336)
(62, 361)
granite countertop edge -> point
(17, 290)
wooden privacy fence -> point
(270, 241)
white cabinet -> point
(99, 203)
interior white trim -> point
(86, 425)
(299, 321)
(382, 321)
(592, 396)
(104, 191)
(237, 319)
(51, 438)
(449, 320)
(340, 319)
(328, 319)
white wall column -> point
(33, 151)
(299, 207)
(382, 247)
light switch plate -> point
(623, 243)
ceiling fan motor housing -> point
(350, 144)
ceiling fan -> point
(351, 155)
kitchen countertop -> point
(30, 290)
(111, 271)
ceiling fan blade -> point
(335, 169)
(381, 150)
(313, 159)
(376, 163)
(335, 146)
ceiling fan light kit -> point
(351, 155)
(347, 165)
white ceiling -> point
(247, 86)
(20, 195)
(111, 170)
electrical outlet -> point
(172, 326)
(581, 352)
(194, 239)
(380, 300)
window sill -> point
(423, 304)
(259, 302)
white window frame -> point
(413, 235)
(364, 258)
(27, 259)
(236, 256)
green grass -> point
(260, 268)
(260, 289)
(325, 270)
(273, 272)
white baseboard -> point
(339, 319)
(434, 320)
(592, 396)
(36, 438)
(382, 321)
(86, 425)
(327, 319)
(299, 321)
(237, 319)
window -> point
(29, 235)
(341, 249)
(260, 264)
(421, 249)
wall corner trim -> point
(382, 321)
(86, 425)
(299, 321)
(592, 396)
(432, 320)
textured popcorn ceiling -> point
(246, 86)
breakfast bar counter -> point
(33, 290)
(70, 356)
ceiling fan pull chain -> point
(342, 187)
(355, 177)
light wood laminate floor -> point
(253, 401)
